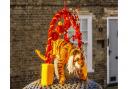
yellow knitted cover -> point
(47, 74)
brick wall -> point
(29, 24)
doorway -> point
(112, 50)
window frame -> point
(89, 40)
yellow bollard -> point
(47, 74)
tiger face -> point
(76, 61)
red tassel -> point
(54, 20)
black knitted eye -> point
(77, 59)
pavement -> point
(113, 87)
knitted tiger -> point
(67, 53)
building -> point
(29, 25)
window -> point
(86, 29)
